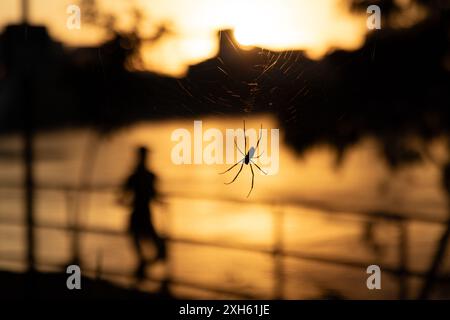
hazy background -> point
(363, 119)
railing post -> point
(278, 220)
(73, 224)
(403, 259)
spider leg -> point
(234, 165)
(238, 147)
(259, 155)
(240, 169)
(260, 135)
(245, 139)
(259, 167)
(253, 179)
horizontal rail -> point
(380, 213)
(241, 247)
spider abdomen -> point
(249, 155)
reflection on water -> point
(223, 244)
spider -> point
(247, 160)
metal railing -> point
(277, 251)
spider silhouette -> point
(247, 160)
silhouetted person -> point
(141, 185)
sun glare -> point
(313, 26)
